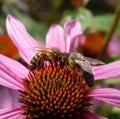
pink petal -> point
(21, 38)
(76, 42)
(73, 28)
(10, 113)
(9, 98)
(68, 43)
(55, 37)
(73, 31)
(111, 70)
(89, 115)
(12, 73)
(109, 95)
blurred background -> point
(99, 20)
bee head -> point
(56, 51)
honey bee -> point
(44, 54)
(78, 60)
(72, 60)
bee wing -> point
(84, 64)
(41, 49)
(36, 48)
(93, 61)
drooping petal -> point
(89, 115)
(21, 38)
(73, 28)
(10, 113)
(55, 37)
(9, 98)
(73, 31)
(108, 95)
(12, 73)
(68, 43)
(76, 42)
(111, 70)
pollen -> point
(55, 92)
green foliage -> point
(111, 59)
(109, 112)
(103, 22)
(114, 115)
(81, 14)
(88, 20)
(36, 29)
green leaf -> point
(112, 58)
(112, 81)
(103, 22)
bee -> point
(78, 60)
(45, 54)
(72, 60)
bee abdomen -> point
(33, 62)
(89, 78)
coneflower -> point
(52, 91)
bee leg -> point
(51, 63)
(43, 59)
(80, 78)
(62, 64)
(31, 66)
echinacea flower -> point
(52, 91)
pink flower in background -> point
(114, 46)
(17, 77)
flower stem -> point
(111, 31)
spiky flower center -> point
(55, 92)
